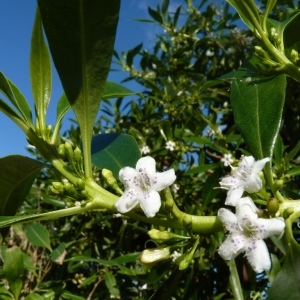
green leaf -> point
(114, 151)
(81, 35)
(13, 115)
(257, 103)
(16, 98)
(15, 182)
(166, 290)
(38, 235)
(5, 294)
(68, 295)
(286, 283)
(34, 296)
(240, 7)
(40, 71)
(13, 269)
(110, 283)
(155, 15)
(116, 90)
(58, 252)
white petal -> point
(259, 165)
(129, 177)
(150, 203)
(268, 227)
(228, 219)
(253, 183)
(127, 201)
(232, 246)
(233, 195)
(162, 180)
(258, 255)
(230, 181)
(246, 163)
(246, 209)
(147, 164)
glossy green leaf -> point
(110, 283)
(116, 90)
(257, 103)
(13, 269)
(13, 115)
(81, 35)
(34, 296)
(38, 235)
(40, 70)
(16, 98)
(70, 296)
(16, 181)
(114, 151)
(243, 12)
(286, 283)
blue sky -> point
(16, 20)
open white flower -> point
(227, 160)
(244, 178)
(142, 185)
(246, 234)
(170, 145)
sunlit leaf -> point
(13, 269)
(16, 98)
(114, 151)
(38, 235)
(257, 103)
(40, 69)
(81, 38)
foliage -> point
(198, 112)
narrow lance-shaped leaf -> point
(40, 71)
(81, 36)
(16, 98)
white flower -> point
(145, 149)
(246, 234)
(244, 178)
(227, 160)
(170, 145)
(175, 255)
(142, 185)
(175, 188)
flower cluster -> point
(142, 185)
(246, 229)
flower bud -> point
(69, 150)
(77, 155)
(272, 205)
(61, 150)
(80, 184)
(111, 180)
(164, 235)
(69, 189)
(58, 186)
(152, 256)
(260, 51)
(294, 56)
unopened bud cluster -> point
(66, 151)
(69, 191)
